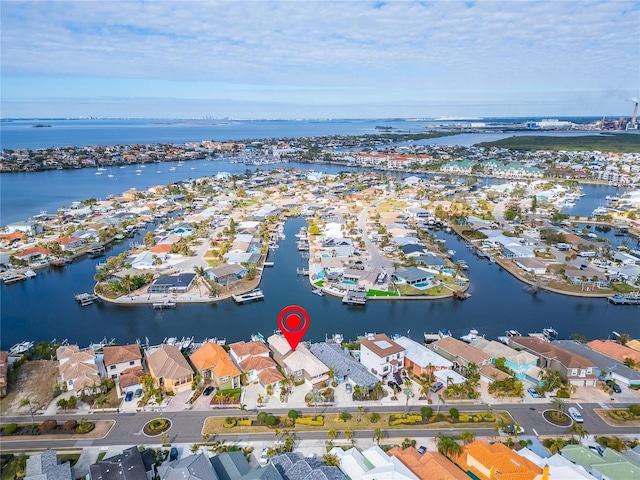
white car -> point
(575, 414)
(264, 458)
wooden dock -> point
(13, 278)
(164, 305)
(460, 295)
(253, 296)
(619, 299)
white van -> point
(575, 414)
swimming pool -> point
(348, 282)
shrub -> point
(314, 421)
(229, 422)
(635, 409)
(464, 417)
(85, 426)
(262, 416)
(426, 411)
(10, 428)
(272, 421)
(489, 417)
(70, 425)
(563, 393)
(292, 414)
(400, 420)
(454, 412)
(48, 425)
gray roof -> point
(230, 465)
(602, 362)
(44, 466)
(344, 364)
(193, 467)
(293, 466)
(131, 464)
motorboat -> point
(471, 336)
(550, 333)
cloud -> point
(336, 51)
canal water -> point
(43, 308)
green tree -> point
(378, 435)
(331, 460)
(467, 437)
(448, 446)
(24, 402)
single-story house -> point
(172, 283)
(346, 367)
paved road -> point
(377, 260)
(187, 426)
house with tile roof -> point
(460, 353)
(496, 461)
(78, 369)
(119, 358)
(428, 465)
(305, 367)
(215, 366)
(634, 345)
(574, 368)
(279, 347)
(240, 351)
(520, 362)
(615, 350)
(610, 465)
(347, 368)
(420, 359)
(169, 369)
(381, 355)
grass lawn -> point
(68, 457)
(391, 205)
(101, 456)
(214, 425)
(9, 469)
(319, 283)
(408, 290)
(381, 293)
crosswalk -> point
(604, 405)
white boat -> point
(451, 253)
(598, 212)
(29, 273)
(98, 173)
(471, 336)
(20, 348)
(318, 292)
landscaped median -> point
(620, 417)
(53, 430)
(427, 419)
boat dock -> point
(431, 337)
(268, 264)
(355, 298)
(254, 296)
(302, 271)
(13, 278)
(619, 299)
(460, 295)
(164, 305)
(85, 299)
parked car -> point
(173, 454)
(138, 393)
(264, 458)
(614, 386)
(207, 391)
(575, 414)
(128, 396)
(348, 388)
(513, 429)
(436, 387)
(533, 392)
(393, 385)
(422, 449)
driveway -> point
(376, 258)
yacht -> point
(550, 333)
(444, 333)
(471, 336)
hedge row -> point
(313, 421)
(409, 420)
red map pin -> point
(293, 321)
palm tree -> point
(24, 402)
(379, 390)
(242, 407)
(408, 392)
(617, 444)
(100, 401)
(448, 446)
(260, 399)
(556, 445)
(360, 411)
(348, 433)
(332, 433)
(578, 430)
(316, 396)
(332, 374)
(559, 404)
(378, 435)
(467, 437)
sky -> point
(318, 59)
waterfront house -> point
(253, 359)
(45, 466)
(429, 465)
(169, 369)
(305, 367)
(227, 274)
(606, 367)
(520, 362)
(33, 254)
(119, 358)
(413, 276)
(615, 350)
(173, 283)
(531, 265)
(574, 368)
(78, 369)
(606, 464)
(347, 368)
(420, 359)
(460, 353)
(215, 366)
(485, 461)
(381, 355)
(279, 347)
(131, 464)
(70, 244)
(4, 371)
(371, 464)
